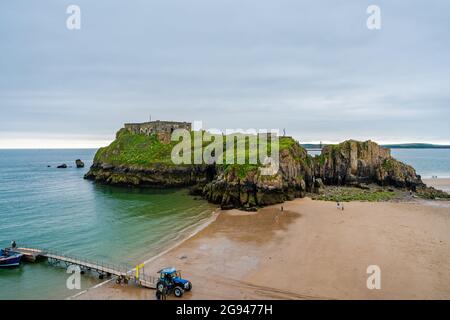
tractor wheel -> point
(189, 288)
(178, 292)
(160, 286)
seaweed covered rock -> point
(432, 193)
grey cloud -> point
(311, 67)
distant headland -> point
(390, 146)
(416, 146)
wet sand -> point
(442, 184)
(311, 250)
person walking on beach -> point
(338, 205)
(342, 207)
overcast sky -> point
(311, 67)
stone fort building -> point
(163, 129)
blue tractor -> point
(170, 281)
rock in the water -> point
(62, 166)
(79, 163)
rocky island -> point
(141, 156)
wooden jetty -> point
(122, 273)
(30, 255)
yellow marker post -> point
(137, 269)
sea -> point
(45, 207)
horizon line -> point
(301, 143)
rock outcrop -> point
(353, 162)
(432, 193)
(159, 175)
(62, 166)
(318, 185)
(79, 163)
(232, 188)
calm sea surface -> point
(427, 162)
(58, 209)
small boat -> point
(9, 258)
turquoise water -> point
(58, 209)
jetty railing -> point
(122, 271)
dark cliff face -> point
(126, 162)
(229, 189)
(353, 162)
(157, 176)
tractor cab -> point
(170, 280)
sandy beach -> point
(442, 184)
(311, 250)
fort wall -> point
(158, 127)
(162, 129)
